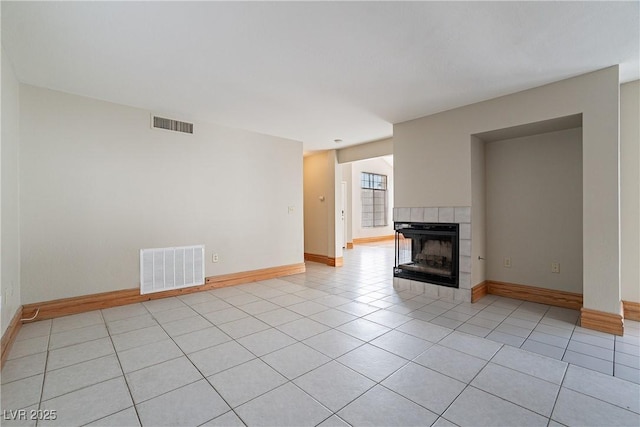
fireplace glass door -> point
(427, 252)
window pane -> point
(372, 180)
(374, 199)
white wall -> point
(98, 185)
(630, 190)
(10, 194)
(432, 158)
(335, 220)
(379, 166)
(347, 177)
(534, 209)
(478, 212)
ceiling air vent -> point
(170, 124)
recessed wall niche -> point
(533, 203)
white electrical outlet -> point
(507, 262)
(214, 258)
(291, 209)
(555, 267)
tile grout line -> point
(44, 374)
(555, 402)
(124, 377)
(204, 377)
(84, 387)
(331, 359)
(470, 381)
(615, 343)
(255, 358)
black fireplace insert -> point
(427, 252)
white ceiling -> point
(313, 71)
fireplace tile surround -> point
(445, 214)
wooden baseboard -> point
(74, 305)
(323, 259)
(254, 275)
(591, 319)
(375, 239)
(535, 294)
(336, 262)
(631, 310)
(9, 335)
(349, 245)
(81, 304)
(610, 323)
(478, 291)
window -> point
(374, 199)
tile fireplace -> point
(427, 252)
(436, 231)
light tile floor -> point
(331, 347)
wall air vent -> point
(164, 269)
(171, 124)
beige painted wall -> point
(379, 166)
(534, 210)
(369, 150)
(10, 283)
(433, 164)
(630, 190)
(316, 211)
(322, 189)
(98, 184)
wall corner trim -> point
(610, 323)
(479, 291)
(631, 310)
(323, 259)
(336, 262)
(9, 335)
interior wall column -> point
(334, 184)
